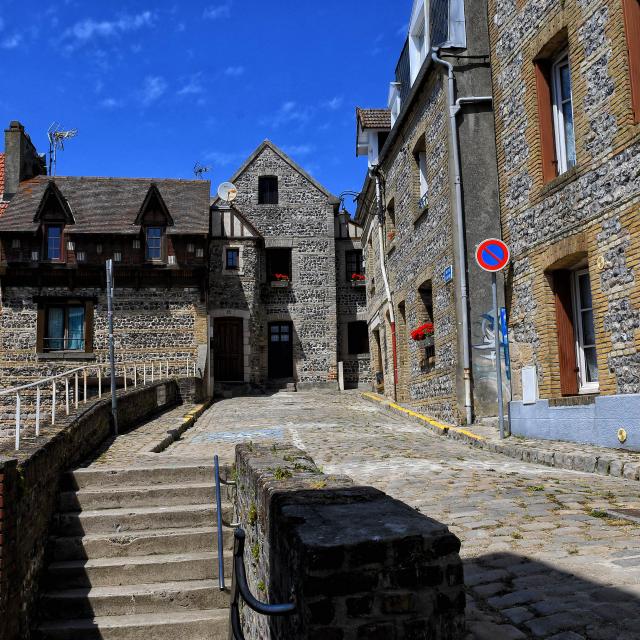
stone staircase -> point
(133, 555)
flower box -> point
(358, 283)
(280, 284)
(358, 280)
(423, 332)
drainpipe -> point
(454, 108)
(392, 316)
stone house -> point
(55, 236)
(566, 80)
(281, 312)
(430, 196)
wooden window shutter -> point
(41, 321)
(88, 327)
(632, 28)
(545, 121)
(566, 333)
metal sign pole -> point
(496, 331)
(114, 399)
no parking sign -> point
(492, 255)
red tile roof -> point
(374, 118)
(3, 205)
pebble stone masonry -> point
(590, 212)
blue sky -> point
(154, 87)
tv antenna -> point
(199, 170)
(57, 137)
(227, 191)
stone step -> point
(211, 624)
(135, 599)
(104, 572)
(117, 521)
(101, 477)
(139, 543)
(143, 495)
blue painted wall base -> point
(596, 423)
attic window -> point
(154, 243)
(54, 243)
(268, 190)
(15, 243)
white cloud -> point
(222, 159)
(11, 42)
(217, 11)
(192, 87)
(153, 88)
(88, 29)
(290, 112)
(111, 103)
(234, 71)
(334, 104)
(403, 30)
(299, 149)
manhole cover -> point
(625, 514)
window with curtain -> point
(65, 328)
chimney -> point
(21, 160)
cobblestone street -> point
(541, 559)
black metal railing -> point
(240, 589)
(216, 464)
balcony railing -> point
(423, 203)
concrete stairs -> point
(280, 384)
(133, 555)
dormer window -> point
(418, 41)
(154, 243)
(268, 190)
(54, 243)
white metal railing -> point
(140, 372)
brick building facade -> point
(417, 230)
(566, 79)
(55, 235)
(278, 302)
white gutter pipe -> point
(454, 108)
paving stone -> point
(517, 615)
(547, 625)
(492, 631)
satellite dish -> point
(227, 191)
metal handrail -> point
(216, 465)
(155, 369)
(240, 588)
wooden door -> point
(228, 352)
(280, 350)
(566, 333)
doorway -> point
(228, 351)
(280, 350)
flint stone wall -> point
(359, 564)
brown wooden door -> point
(280, 350)
(566, 333)
(228, 352)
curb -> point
(609, 465)
(188, 421)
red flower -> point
(423, 331)
(357, 277)
(281, 277)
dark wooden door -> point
(566, 333)
(280, 350)
(228, 353)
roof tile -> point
(374, 118)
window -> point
(555, 110)
(232, 259)
(585, 332)
(427, 355)
(278, 264)
(390, 222)
(54, 243)
(65, 328)
(15, 243)
(267, 190)
(632, 28)
(357, 337)
(563, 114)
(354, 264)
(154, 243)
(418, 41)
(424, 186)
(576, 332)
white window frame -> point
(422, 165)
(583, 386)
(561, 61)
(418, 38)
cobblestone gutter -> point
(554, 453)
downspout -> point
(462, 257)
(392, 316)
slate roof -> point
(111, 205)
(3, 205)
(374, 118)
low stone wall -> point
(358, 563)
(29, 494)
